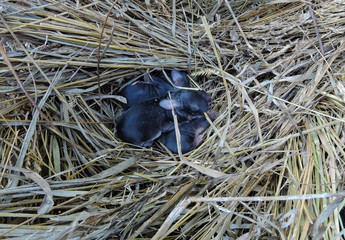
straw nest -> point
(271, 164)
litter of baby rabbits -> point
(149, 113)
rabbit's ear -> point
(169, 104)
(179, 78)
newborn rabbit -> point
(190, 134)
(142, 91)
(194, 103)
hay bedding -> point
(271, 165)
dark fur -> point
(141, 91)
(142, 123)
(190, 132)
